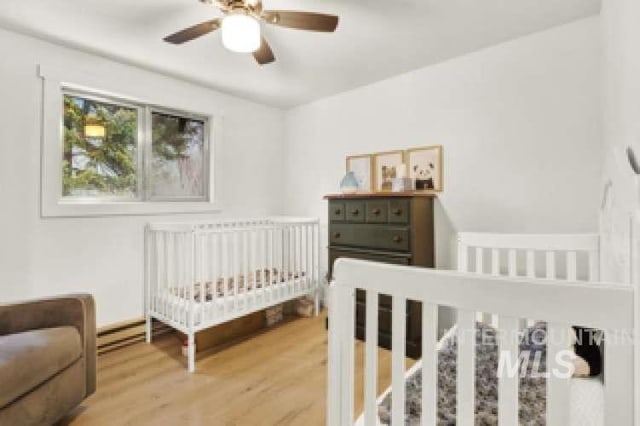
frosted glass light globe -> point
(240, 33)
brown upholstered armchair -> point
(47, 358)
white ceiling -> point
(375, 39)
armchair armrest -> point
(77, 310)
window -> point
(178, 153)
(114, 150)
(100, 149)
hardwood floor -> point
(275, 378)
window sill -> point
(127, 208)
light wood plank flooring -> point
(275, 378)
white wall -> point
(104, 256)
(519, 122)
(621, 34)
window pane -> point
(178, 159)
(100, 149)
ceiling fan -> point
(241, 26)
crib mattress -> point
(177, 308)
(586, 396)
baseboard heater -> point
(122, 334)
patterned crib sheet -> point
(532, 391)
(254, 280)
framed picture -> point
(386, 166)
(362, 169)
(425, 166)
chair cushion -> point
(28, 359)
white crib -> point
(541, 282)
(201, 274)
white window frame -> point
(54, 204)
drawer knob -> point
(397, 212)
(337, 211)
(397, 239)
(336, 235)
(355, 212)
(376, 212)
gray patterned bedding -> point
(532, 389)
(254, 280)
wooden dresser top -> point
(381, 195)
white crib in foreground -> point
(551, 296)
(202, 274)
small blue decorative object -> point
(349, 183)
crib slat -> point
(531, 264)
(287, 267)
(200, 259)
(296, 260)
(177, 272)
(268, 287)
(224, 248)
(429, 364)
(161, 276)
(309, 249)
(215, 273)
(508, 379)
(184, 279)
(292, 259)
(299, 253)
(594, 268)
(495, 262)
(259, 266)
(480, 316)
(558, 387)
(284, 257)
(309, 268)
(551, 265)
(315, 238)
(190, 272)
(619, 385)
(371, 359)
(236, 272)
(466, 369)
(572, 267)
(262, 238)
(463, 258)
(531, 273)
(168, 270)
(479, 260)
(341, 355)
(495, 271)
(512, 263)
(398, 325)
(246, 243)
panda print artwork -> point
(425, 166)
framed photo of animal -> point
(362, 168)
(387, 166)
(425, 166)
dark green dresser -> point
(386, 227)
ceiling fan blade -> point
(264, 54)
(301, 20)
(196, 31)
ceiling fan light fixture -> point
(240, 33)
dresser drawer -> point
(399, 211)
(377, 211)
(392, 238)
(336, 211)
(354, 211)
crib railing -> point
(209, 264)
(607, 307)
(549, 256)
